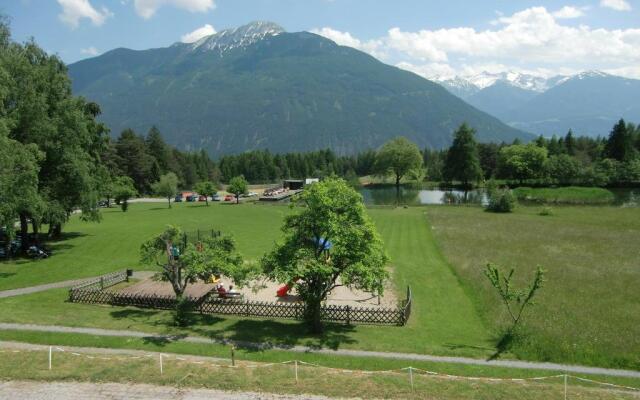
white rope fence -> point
(410, 371)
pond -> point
(386, 195)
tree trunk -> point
(169, 201)
(36, 231)
(237, 199)
(55, 230)
(206, 200)
(313, 316)
(24, 231)
(398, 189)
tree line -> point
(568, 160)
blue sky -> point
(428, 37)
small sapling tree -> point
(206, 189)
(166, 187)
(123, 190)
(515, 300)
(238, 186)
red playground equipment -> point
(283, 291)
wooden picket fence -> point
(94, 293)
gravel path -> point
(59, 285)
(577, 369)
(28, 390)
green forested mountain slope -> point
(259, 87)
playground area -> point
(262, 291)
(151, 287)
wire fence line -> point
(408, 372)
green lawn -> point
(565, 195)
(91, 249)
(443, 321)
(589, 310)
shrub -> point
(546, 211)
(499, 200)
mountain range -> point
(259, 87)
(589, 103)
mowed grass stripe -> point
(442, 314)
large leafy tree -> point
(39, 109)
(18, 181)
(183, 263)
(166, 187)
(522, 161)
(397, 157)
(462, 162)
(329, 242)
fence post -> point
(233, 355)
(348, 315)
(411, 377)
(296, 369)
(102, 283)
(565, 386)
(246, 309)
(50, 351)
(161, 371)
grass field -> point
(90, 249)
(589, 310)
(565, 195)
(443, 320)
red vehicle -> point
(229, 197)
(202, 198)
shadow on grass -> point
(249, 334)
(259, 335)
(458, 346)
(504, 344)
(6, 274)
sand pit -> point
(343, 296)
(152, 287)
(266, 291)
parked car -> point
(178, 199)
(202, 198)
(229, 197)
(103, 203)
(216, 197)
(192, 198)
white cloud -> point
(75, 10)
(206, 30)
(568, 12)
(429, 70)
(373, 47)
(534, 40)
(91, 51)
(618, 5)
(147, 8)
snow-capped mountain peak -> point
(237, 37)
